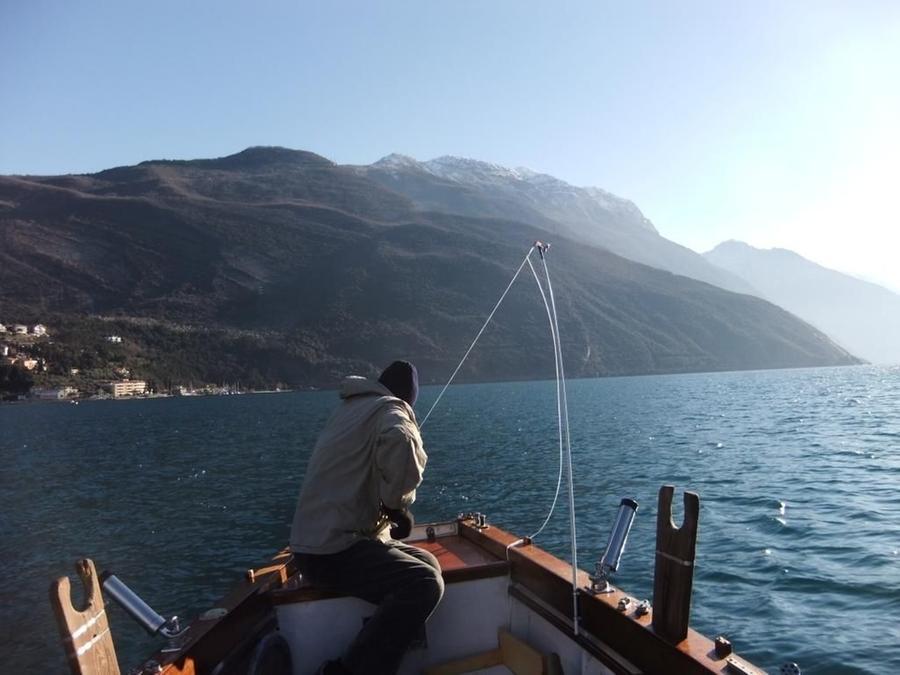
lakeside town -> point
(34, 368)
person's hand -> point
(402, 521)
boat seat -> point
(512, 655)
(459, 558)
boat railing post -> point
(85, 633)
(673, 577)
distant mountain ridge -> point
(591, 215)
(547, 195)
(861, 316)
(277, 265)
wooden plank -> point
(184, 666)
(467, 664)
(86, 634)
(518, 656)
(455, 553)
(673, 578)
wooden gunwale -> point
(632, 637)
(249, 614)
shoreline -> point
(144, 397)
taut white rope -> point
(568, 443)
(471, 346)
(562, 409)
(558, 403)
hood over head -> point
(402, 379)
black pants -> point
(406, 584)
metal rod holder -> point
(139, 610)
(609, 561)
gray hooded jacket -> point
(369, 453)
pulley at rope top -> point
(541, 247)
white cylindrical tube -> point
(139, 610)
(619, 535)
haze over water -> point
(798, 473)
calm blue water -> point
(798, 474)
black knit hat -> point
(402, 379)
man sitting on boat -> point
(354, 504)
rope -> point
(562, 409)
(471, 346)
(565, 416)
(558, 403)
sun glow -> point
(850, 219)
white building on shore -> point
(124, 388)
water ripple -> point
(798, 472)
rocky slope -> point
(591, 215)
(282, 265)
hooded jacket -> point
(370, 452)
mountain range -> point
(861, 316)
(279, 265)
(480, 189)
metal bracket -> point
(600, 581)
(478, 518)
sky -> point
(771, 122)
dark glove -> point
(402, 521)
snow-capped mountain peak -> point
(396, 160)
(473, 171)
(474, 188)
(549, 194)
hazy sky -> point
(777, 123)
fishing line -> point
(558, 402)
(565, 416)
(487, 321)
(562, 406)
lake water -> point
(798, 473)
